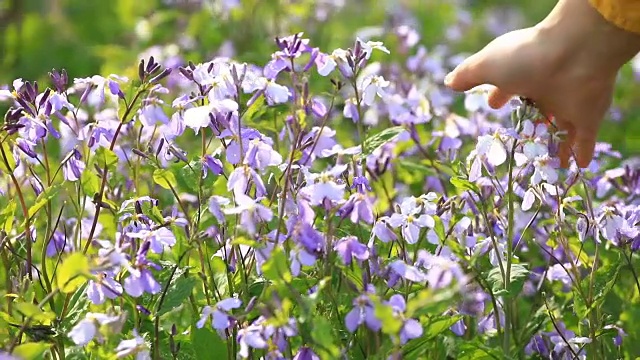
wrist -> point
(577, 33)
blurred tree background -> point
(88, 37)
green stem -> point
(508, 312)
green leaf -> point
(164, 178)
(604, 279)
(32, 311)
(7, 216)
(44, 197)
(188, 176)
(9, 156)
(105, 158)
(205, 341)
(476, 350)
(372, 143)
(73, 272)
(322, 336)
(254, 109)
(241, 240)
(177, 293)
(439, 324)
(428, 301)
(464, 184)
(90, 183)
(517, 277)
(276, 268)
(31, 351)
(439, 228)
(390, 323)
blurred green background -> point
(88, 37)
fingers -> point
(469, 74)
(566, 145)
(498, 98)
(585, 146)
(579, 143)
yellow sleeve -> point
(623, 13)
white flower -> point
(198, 117)
(372, 86)
(411, 219)
(277, 93)
(544, 170)
(492, 147)
(369, 46)
(137, 346)
(528, 199)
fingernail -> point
(448, 79)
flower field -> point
(299, 199)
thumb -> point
(469, 74)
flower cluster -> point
(240, 207)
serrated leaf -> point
(605, 279)
(164, 178)
(372, 143)
(31, 351)
(178, 292)
(72, 272)
(518, 275)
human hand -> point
(567, 65)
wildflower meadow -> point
(312, 203)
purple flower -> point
(408, 272)
(323, 186)
(260, 155)
(305, 353)
(59, 243)
(73, 167)
(159, 239)
(362, 313)
(382, 230)
(349, 247)
(411, 220)
(411, 328)
(215, 207)
(212, 165)
(359, 207)
(89, 327)
(251, 337)
(141, 279)
(441, 272)
(239, 181)
(220, 314)
(251, 212)
(103, 287)
(233, 137)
